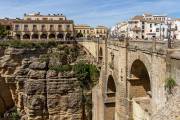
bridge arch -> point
(110, 100)
(139, 80)
(143, 58)
(139, 88)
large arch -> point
(35, 36)
(43, 36)
(26, 36)
(110, 99)
(52, 36)
(139, 91)
(139, 80)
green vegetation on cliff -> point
(87, 74)
(27, 44)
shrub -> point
(87, 74)
(170, 84)
(28, 44)
(61, 68)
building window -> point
(60, 18)
(142, 31)
(68, 26)
(43, 27)
(142, 36)
(157, 29)
(34, 27)
(176, 27)
(16, 27)
(51, 27)
(25, 27)
(143, 27)
(150, 25)
(60, 27)
(150, 30)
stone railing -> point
(143, 45)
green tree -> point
(3, 31)
(87, 75)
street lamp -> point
(169, 32)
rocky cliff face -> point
(31, 81)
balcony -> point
(52, 30)
(44, 30)
(35, 30)
(60, 30)
(26, 30)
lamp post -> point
(169, 33)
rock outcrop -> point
(38, 91)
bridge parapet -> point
(143, 45)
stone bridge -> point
(132, 80)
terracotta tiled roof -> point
(178, 19)
(43, 21)
(138, 17)
(5, 22)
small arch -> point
(35, 36)
(52, 36)
(43, 36)
(26, 36)
(68, 36)
(18, 36)
(60, 36)
(79, 35)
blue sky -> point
(92, 12)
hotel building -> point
(37, 26)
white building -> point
(176, 29)
(145, 26)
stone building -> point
(87, 31)
(82, 31)
(37, 26)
